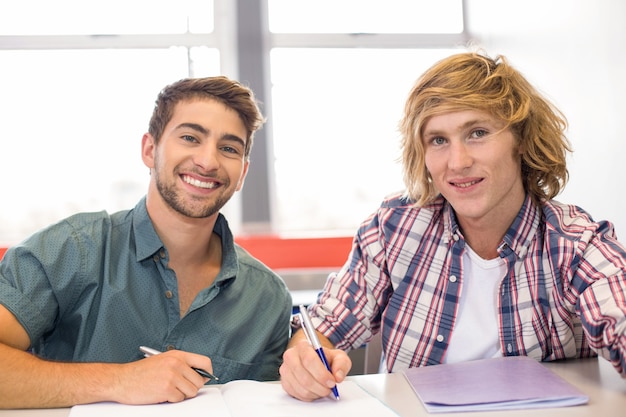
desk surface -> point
(596, 378)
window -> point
(366, 16)
(79, 80)
(76, 104)
(340, 74)
(111, 17)
(335, 116)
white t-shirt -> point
(475, 333)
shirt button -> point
(155, 258)
(170, 347)
(168, 294)
(509, 348)
(452, 278)
(440, 338)
(162, 253)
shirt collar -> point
(148, 242)
(523, 230)
(519, 236)
(230, 264)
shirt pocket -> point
(229, 370)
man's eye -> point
(479, 133)
(188, 138)
(231, 150)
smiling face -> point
(198, 163)
(475, 165)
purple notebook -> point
(516, 382)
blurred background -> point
(78, 79)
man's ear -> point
(148, 150)
(242, 179)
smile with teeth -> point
(198, 183)
(465, 184)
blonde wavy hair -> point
(473, 81)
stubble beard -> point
(173, 199)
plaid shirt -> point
(564, 295)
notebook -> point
(516, 382)
(246, 398)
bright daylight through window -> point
(76, 101)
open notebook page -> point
(248, 398)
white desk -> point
(596, 378)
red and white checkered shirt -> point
(564, 295)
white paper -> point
(209, 402)
(248, 398)
(264, 400)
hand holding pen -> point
(162, 377)
(311, 335)
(148, 351)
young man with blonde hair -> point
(475, 259)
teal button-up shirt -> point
(94, 287)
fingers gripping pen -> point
(309, 332)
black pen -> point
(147, 352)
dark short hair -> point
(222, 89)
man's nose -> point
(460, 157)
(207, 157)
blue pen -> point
(309, 332)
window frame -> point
(242, 37)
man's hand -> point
(304, 376)
(167, 377)
(30, 382)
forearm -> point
(30, 382)
(603, 318)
